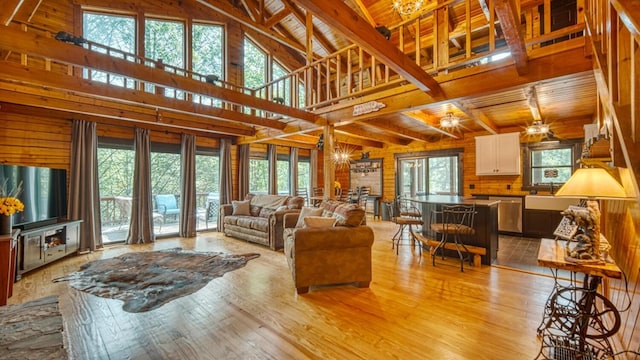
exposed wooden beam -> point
(388, 125)
(477, 116)
(341, 17)
(322, 40)
(235, 14)
(46, 79)
(277, 17)
(26, 11)
(498, 79)
(532, 101)
(510, 24)
(251, 9)
(9, 10)
(425, 119)
(359, 130)
(112, 110)
(347, 138)
(34, 44)
(365, 12)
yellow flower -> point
(10, 206)
(336, 184)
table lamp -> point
(593, 184)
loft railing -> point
(353, 71)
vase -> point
(6, 225)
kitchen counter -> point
(485, 224)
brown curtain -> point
(188, 204)
(272, 159)
(84, 194)
(226, 185)
(293, 171)
(141, 229)
(244, 152)
(313, 168)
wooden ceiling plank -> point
(359, 130)
(27, 10)
(33, 44)
(322, 40)
(9, 10)
(365, 12)
(423, 118)
(510, 23)
(348, 22)
(346, 138)
(532, 101)
(477, 116)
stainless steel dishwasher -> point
(509, 214)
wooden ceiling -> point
(557, 87)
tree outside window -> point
(164, 40)
(207, 55)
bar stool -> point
(395, 210)
(456, 221)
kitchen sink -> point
(548, 202)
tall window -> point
(259, 174)
(115, 182)
(114, 31)
(304, 173)
(282, 165)
(207, 55)
(282, 89)
(430, 173)
(549, 164)
(207, 189)
(255, 68)
(165, 186)
(164, 40)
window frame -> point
(527, 171)
(423, 157)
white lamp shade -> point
(594, 183)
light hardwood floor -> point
(412, 310)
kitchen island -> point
(485, 224)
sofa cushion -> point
(240, 207)
(254, 210)
(295, 202)
(349, 215)
(307, 211)
(319, 222)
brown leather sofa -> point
(330, 255)
(263, 224)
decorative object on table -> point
(9, 205)
(148, 280)
(593, 184)
(567, 228)
(33, 330)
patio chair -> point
(167, 204)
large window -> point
(115, 182)
(549, 164)
(282, 89)
(165, 186)
(304, 174)
(207, 189)
(114, 31)
(430, 173)
(282, 165)
(164, 40)
(207, 55)
(258, 175)
(255, 68)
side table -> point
(8, 250)
(577, 320)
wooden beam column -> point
(329, 174)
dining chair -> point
(404, 222)
(453, 223)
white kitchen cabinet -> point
(498, 154)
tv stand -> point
(45, 244)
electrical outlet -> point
(508, 186)
(472, 186)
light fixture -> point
(407, 7)
(593, 184)
(537, 128)
(342, 156)
(449, 121)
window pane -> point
(115, 178)
(207, 190)
(283, 176)
(165, 185)
(282, 89)
(443, 175)
(114, 31)
(207, 53)
(255, 65)
(304, 175)
(551, 165)
(258, 176)
(164, 40)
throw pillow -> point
(240, 207)
(319, 222)
(307, 211)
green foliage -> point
(255, 65)
(258, 176)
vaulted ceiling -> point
(547, 76)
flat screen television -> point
(44, 194)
